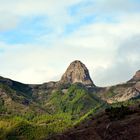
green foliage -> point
(61, 111)
(76, 101)
(18, 127)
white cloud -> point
(107, 48)
(54, 10)
(57, 11)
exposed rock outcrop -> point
(77, 72)
(136, 77)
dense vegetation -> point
(27, 114)
(76, 101)
(22, 118)
(37, 127)
(19, 127)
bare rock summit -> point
(136, 77)
(77, 72)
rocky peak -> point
(77, 72)
(136, 77)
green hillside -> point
(36, 112)
(25, 116)
(76, 100)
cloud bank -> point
(38, 39)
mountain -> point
(122, 92)
(16, 98)
(38, 111)
(77, 72)
(136, 77)
(75, 92)
(71, 94)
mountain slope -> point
(73, 94)
(136, 77)
(115, 124)
(76, 100)
(122, 92)
(66, 95)
(16, 98)
(22, 89)
(38, 111)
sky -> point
(40, 38)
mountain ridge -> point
(77, 72)
(85, 78)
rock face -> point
(123, 92)
(77, 73)
(136, 77)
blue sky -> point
(39, 38)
